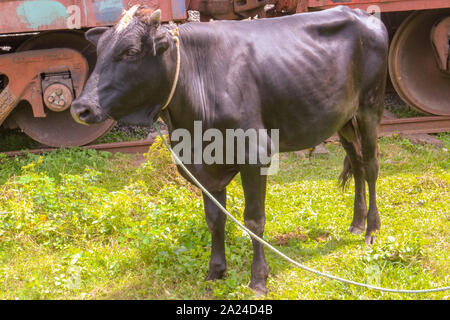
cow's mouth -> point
(144, 116)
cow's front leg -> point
(215, 220)
(254, 185)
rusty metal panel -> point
(171, 9)
(383, 5)
(179, 9)
(229, 9)
(440, 35)
(26, 84)
(21, 16)
(286, 5)
(40, 15)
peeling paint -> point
(41, 13)
(108, 10)
(178, 9)
(38, 15)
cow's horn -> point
(156, 16)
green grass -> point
(79, 224)
(15, 140)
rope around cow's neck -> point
(175, 37)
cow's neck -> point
(174, 33)
(190, 102)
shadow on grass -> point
(304, 252)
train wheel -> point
(414, 66)
(58, 129)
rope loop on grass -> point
(254, 236)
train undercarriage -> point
(45, 60)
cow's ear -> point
(155, 17)
(150, 17)
(94, 34)
(160, 42)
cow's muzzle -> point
(83, 114)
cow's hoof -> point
(259, 288)
(356, 230)
(215, 275)
(370, 238)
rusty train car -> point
(45, 60)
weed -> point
(88, 225)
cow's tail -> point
(346, 174)
(352, 136)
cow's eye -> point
(132, 52)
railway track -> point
(130, 147)
(434, 124)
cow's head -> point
(131, 74)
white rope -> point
(254, 236)
(175, 34)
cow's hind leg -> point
(215, 220)
(368, 129)
(254, 185)
(353, 164)
(368, 118)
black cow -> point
(308, 75)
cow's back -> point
(306, 62)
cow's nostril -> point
(84, 115)
(81, 113)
